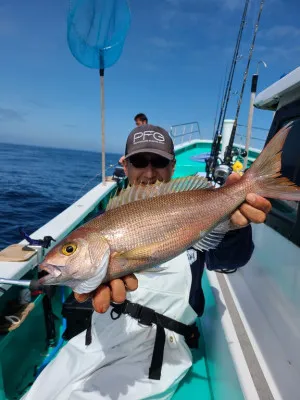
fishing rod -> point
(251, 111)
(216, 145)
(228, 151)
(219, 100)
(211, 162)
(32, 285)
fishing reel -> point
(223, 170)
(237, 152)
(118, 173)
(221, 173)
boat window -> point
(285, 215)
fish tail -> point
(264, 175)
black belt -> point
(146, 316)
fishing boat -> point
(250, 329)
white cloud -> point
(279, 53)
(167, 18)
(174, 3)
(175, 13)
(164, 44)
(232, 5)
(279, 32)
(10, 115)
(8, 26)
(174, 17)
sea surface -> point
(38, 183)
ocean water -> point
(38, 183)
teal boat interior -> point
(190, 159)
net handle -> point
(101, 72)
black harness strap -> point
(158, 353)
(147, 316)
(88, 334)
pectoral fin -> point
(146, 253)
(131, 261)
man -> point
(123, 356)
(141, 119)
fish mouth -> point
(53, 272)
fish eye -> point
(69, 249)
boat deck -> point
(267, 295)
(191, 159)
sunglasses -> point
(140, 161)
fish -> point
(144, 227)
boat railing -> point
(186, 132)
(257, 140)
(58, 228)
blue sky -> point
(171, 68)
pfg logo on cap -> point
(148, 136)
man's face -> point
(140, 122)
(147, 168)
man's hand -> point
(121, 161)
(255, 208)
(114, 291)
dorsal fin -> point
(140, 192)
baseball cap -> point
(150, 139)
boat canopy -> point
(280, 93)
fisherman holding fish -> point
(140, 348)
(234, 251)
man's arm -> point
(236, 248)
(234, 251)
